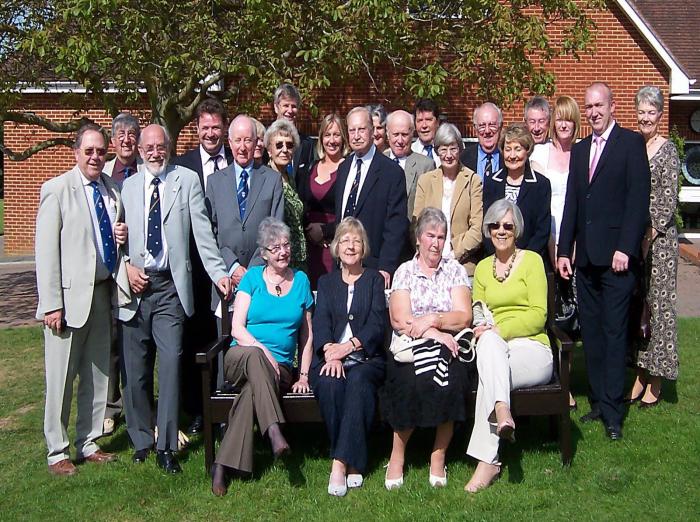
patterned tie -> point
(215, 161)
(154, 241)
(428, 150)
(488, 169)
(352, 197)
(109, 247)
(396, 159)
(242, 192)
(598, 142)
(127, 172)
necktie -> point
(109, 248)
(396, 159)
(154, 241)
(215, 161)
(428, 149)
(352, 197)
(488, 168)
(127, 172)
(598, 142)
(242, 192)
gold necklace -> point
(507, 272)
(278, 285)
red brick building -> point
(636, 44)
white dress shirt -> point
(110, 205)
(160, 262)
(208, 162)
(366, 162)
(419, 147)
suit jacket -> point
(534, 201)
(109, 167)
(66, 254)
(236, 237)
(470, 156)
(612, 211)
(381, 207)
(182, 208)
(416, 164)
(192, 160)
(466, 211)
(303, 158)
(367, 315)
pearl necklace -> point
(508, 269)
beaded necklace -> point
(508, 269)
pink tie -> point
(598, 140)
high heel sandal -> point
(337, 490)
(438, 482)
(390, 484)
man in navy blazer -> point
(372, 188)
(605, 216)
(488, 122)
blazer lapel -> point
(172, 187)
(257, 181)
(410, 171)
(609, 145)
(459, 189)
(370, 180)
(78, 191)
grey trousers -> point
(83, 353)
(247, 367)
(114, 393)
(156, 328)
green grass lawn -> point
(651, 474)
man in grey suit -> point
(238, 198)
(400, 127)
(77, 233)
(162, 204)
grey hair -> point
(270, 230)
(166, 134)
(89, 127)
(539, 103)
(241, 117)
(397, 114)
(651, 95)
(361, 109)
(127, 121)
(447, 134)
(499, 209)
(287, 90)
(284, 127)
(379, 112)
(430, 217)
(492, 106)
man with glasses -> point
(163, 203)
(77, 270)
(483, 157)
(537, 115)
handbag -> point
(566, 308)
(354, 358)
(401, 346)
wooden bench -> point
(550, 400)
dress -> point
(659, 355)
(409, 401)
(558, 180)
(293, 217)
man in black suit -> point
(200, 329)
(483, 157)
(605, 216)
(287, 102)
(372, 188)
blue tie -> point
(352, 197)
(127, 172)
(428, 149)
(242, 192)
(109, 247)
(154, 241)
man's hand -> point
(387, 278)
(138, 280)
(620, 262)
(237, 275)
(224, 286)
(315, 233)
(121, 232)
(54, 320)
(564, 267)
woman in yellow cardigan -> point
(457, 191)
(514, 352)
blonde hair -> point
(350, 225)
(565, 108)
(327, 121)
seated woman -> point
(348, 363)
(430, 299)
(514, 352)
(271, 316)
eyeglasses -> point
(150, 150)
(443, 151)
(288, 144)
(276, 249)
(508, 227)
(481, 128)
(91, 150)
(348, 242)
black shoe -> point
(168, 462)
(140, 456)
(197, 425)
(591, 416)
(613, 432)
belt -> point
(158, 274)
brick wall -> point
(621, 57)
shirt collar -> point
(85, 179)
(606, 132)
(206, 156)
(417, 270)
(369, 156)
(239, 170)
(149, 177)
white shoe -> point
(438, 482)
(337, 490)
(354, 480)
(108, 426)
(390, 484)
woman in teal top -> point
(514, 352)
(271, 317)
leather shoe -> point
(99, 457)
(613, 432)
(590, 416)
(141, 455)
(63, 468)
(167, 461)
(196, 427)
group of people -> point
(365, 212)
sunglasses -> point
(288, 144)
(508, 227)
(90, 151)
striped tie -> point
(242, 193)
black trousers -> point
(604, 300)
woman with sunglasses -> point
(281, 140)
(458, 191)
(519, 184)
(271, 316)
(514, 352)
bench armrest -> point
(211, 352)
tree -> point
(174, 54)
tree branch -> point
(26, 153)
(31, 118)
